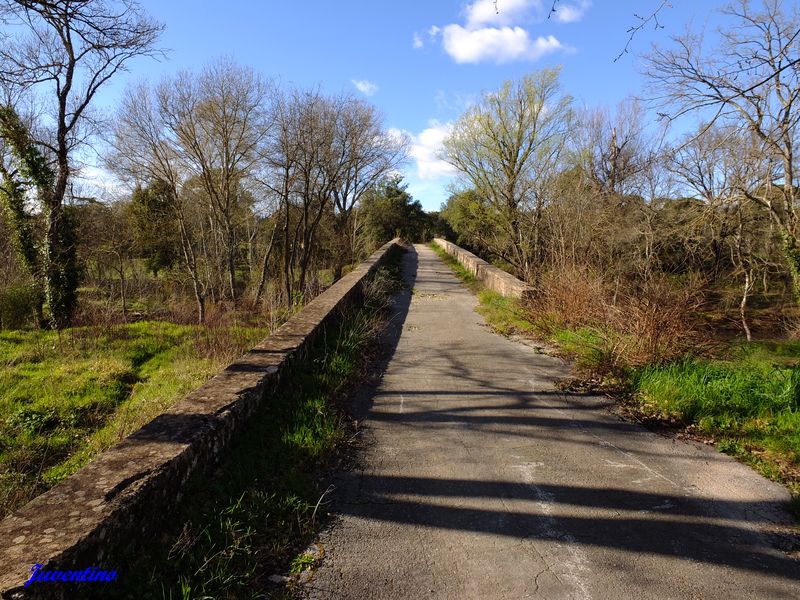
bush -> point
(651, 322)
(659, 320)
(17, 306)
(570, 298)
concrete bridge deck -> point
(481, 480)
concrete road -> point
(481, 480)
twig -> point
(326, 492)
(643, 21)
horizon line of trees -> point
(238, 186)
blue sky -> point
(420, 62)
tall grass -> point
(750, 400)
(719, 395)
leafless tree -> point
(720, 167)
(614, 150)
(364, 153)
(61, 52)
(220, 120)
(751, 80)
(298, 158)
(144, 150)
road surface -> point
(481, 480)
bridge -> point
(483, 480)
(479, 478)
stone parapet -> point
(493, 278)
(123, 494)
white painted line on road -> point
(576, 564)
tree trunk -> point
(190, 261)
(265, 264)
(748, 286)
(230, 242)
(340, 235)
(792, 253)
(123, 297)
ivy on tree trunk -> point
(53, 262)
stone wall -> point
(125, 493)
(490, 276)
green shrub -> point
(17, 306)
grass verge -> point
(67, 396)
(248, 520)
(747, 401)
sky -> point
(422, 63)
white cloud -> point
(426, 150)
(493, 32)
(501, 13)
(365, 87)
(418, 43)
(500, 45)
(570, 13)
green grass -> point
(65, 397)
(250, 519)
(584, 345)
(505, 315)
(748, 400)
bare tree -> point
(614, 150)
(720, 167)
(62, 52)
(364, 153)
(299, 156)
(143, 151)
(219, 119)
(752, 80)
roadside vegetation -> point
(667, 270)
(252, 518)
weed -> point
(303, 562)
